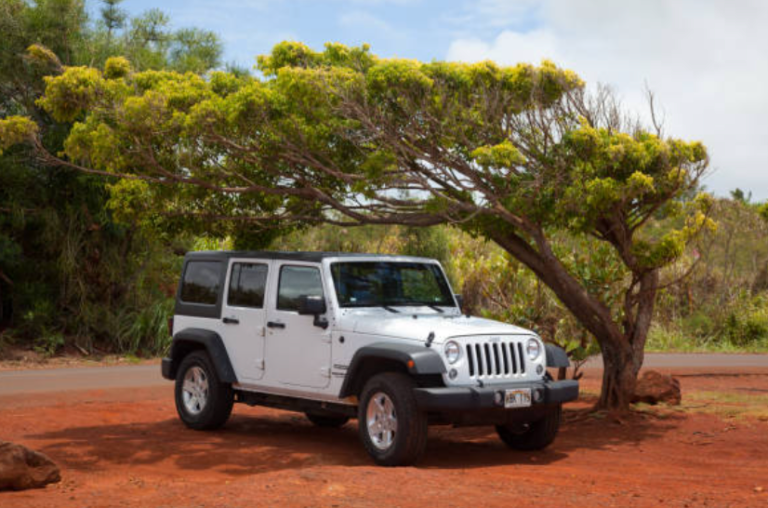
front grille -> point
(502, 358)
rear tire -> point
(392, 427)
(203, 402)
(327, 421)
(537, 436)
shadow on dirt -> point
(253, 444)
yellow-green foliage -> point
(615, 171)
(115, 107)
(116, 67)
(763, 210)
(295, 54)
(98, 143)
(71, 94)
(15, 130)
(43, 56)
(503, 155)
(394, 75)
(128, 201)
(665, 248)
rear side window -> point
(201, 282)
(296, 281)
(246, 285)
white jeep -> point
(339, 336)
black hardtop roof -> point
(294, 256)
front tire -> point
(392, 427)
(203, 402)
(537, 436)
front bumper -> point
(476, 398)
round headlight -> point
(533, 348)
(452, 352)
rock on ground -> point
(22, 468)
(654, 387)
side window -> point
(201, 282)
(246, 285)
(296, 281)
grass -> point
(726, 405)
(663, 340)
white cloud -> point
(366, 22)
(704, 60)
(508, 48)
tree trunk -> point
(622, 349)
(620, 368)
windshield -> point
(374, 284)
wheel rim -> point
(195, 390)
(381, 420)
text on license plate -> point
(517, 397)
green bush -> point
(747, 325)
(699, 324)
(48, 343)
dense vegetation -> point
(69, 272)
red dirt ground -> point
(128, 448)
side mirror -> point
(311, 305)
(459, 300)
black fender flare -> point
(556, 356)
(190, 339)
(417, 359)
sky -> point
(705, 61)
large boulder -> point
(654, 387)
(22, 468)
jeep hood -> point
(405, 326)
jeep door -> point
(298, 351)
(243, 317)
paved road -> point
(138, 376)
(695, 361)
(86, 378)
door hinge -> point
(325, 372)
(260, 364)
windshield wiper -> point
(431, 306)
(390, 309)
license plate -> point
(518, 397)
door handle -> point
(274, 324)
(231, 321)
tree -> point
(194, 50)
(67, 266)
(514, 154)
(113, 16)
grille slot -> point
(497, 359)
(504, 354)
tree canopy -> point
(511, 153)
